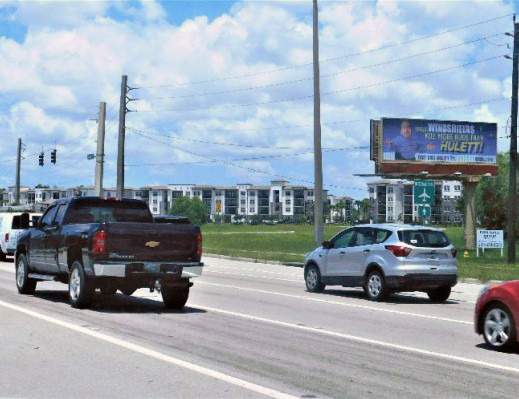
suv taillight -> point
(398, 250)
(454, 252)
(6, 237)
(199, 245)
(99, 243)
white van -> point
(9, 229)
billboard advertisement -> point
(434, 141)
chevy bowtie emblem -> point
(152, 244)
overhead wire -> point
(334, 58)
(321, 76)
(228, 163)
(330, 92)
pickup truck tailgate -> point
(152, 242)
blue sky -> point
(223, 90)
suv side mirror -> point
(328, 245)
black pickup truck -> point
(108, 244)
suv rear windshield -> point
(97, 211)
(424, 238)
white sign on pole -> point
(490, 239)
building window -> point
(252, 202)
(242, 210)
(154, 209)
(196, 193)
(155, 194)
(310, 193)
(372, 190)
(390, 190)
(390, 209)
(446, 188)
(243, 193)
(154, 202)
(390, 198)
(287, 210)
(289, 193)
(287, 202)
(251, 210)
(188, 194)
(242, 202)
(252, 193)
(457, 188)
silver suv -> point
(385, 258)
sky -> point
(222, 91)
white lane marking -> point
(251, 275)
(300, 274)
(337, 303)
(157, 355)
(364, 340)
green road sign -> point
(423, 192)
(424, 211)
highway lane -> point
(255, 322)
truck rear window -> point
(424, 238)
(98, 211)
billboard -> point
(434, 141)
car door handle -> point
(367, 250)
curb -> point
(301, 265)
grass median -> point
(290, 242)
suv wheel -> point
(80, 288)
(440, 294)
(25, 285)
(376, 286)
(313, 279)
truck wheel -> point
(175, 297)
(80, 288)
(127, 291)
(25, 285)
(108, 290)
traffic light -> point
(53, 156)
(41, 158)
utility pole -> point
(122, 130)
(513, 153)
(100, 154)
(318, 161)
(18, 166)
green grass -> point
(290, 242)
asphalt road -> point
(249, 330)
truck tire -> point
(175, 297)
(25, 285)
(80, 288)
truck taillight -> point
(199, 245)
(99, 243)
(454, 252)
(6, 237)
(398, 250)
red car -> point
(497, 314)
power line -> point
(228, 163)
(214, 142)
(254, 158)
(330, 92)
(332, 59)
(322, 76)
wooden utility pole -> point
(318, 161)
(122, 131)
(100, 153)
(513, 153)
(18, 167)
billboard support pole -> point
(513, 154)
(469, 192)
